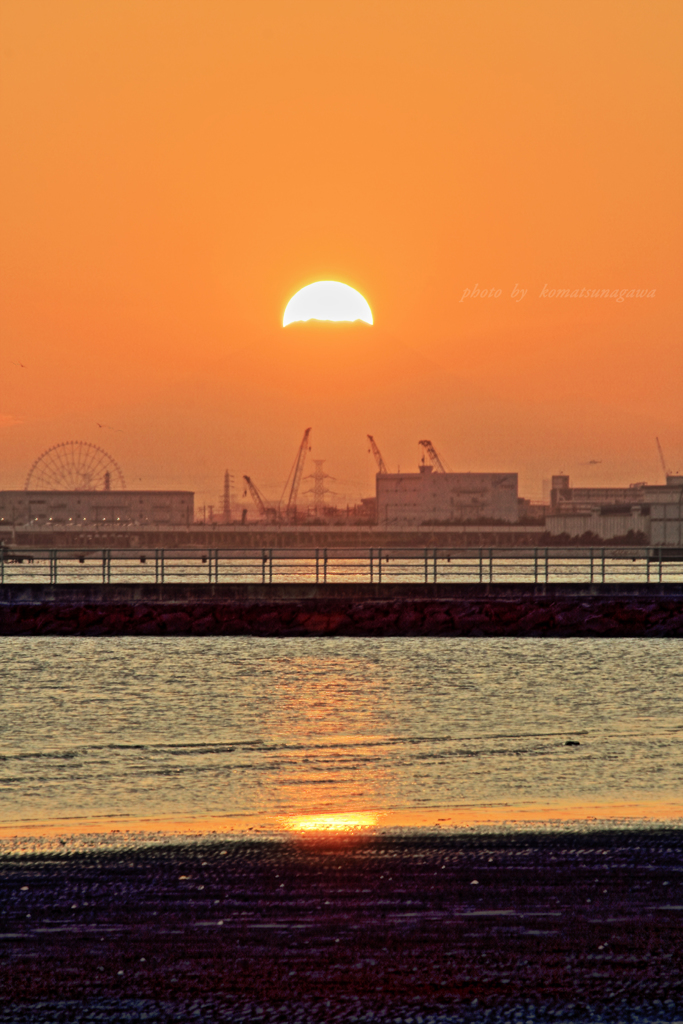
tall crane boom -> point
(266, 510)
(381, 467)
(433, 457)
(226, 496)
(297, 474)
(667, 472)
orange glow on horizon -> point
(335, 822)
(532, 815)
(172, 174)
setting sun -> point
(327, 300)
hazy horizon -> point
(172, 174)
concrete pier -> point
(343, 609)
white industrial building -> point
(429, 497)
(654, 511)
(87, 508)
(666, 512)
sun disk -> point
(327, 300)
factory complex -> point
(69, 489)
(87, 508)
(652, 511)
(427, 498)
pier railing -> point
(343, 565)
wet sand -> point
(413, 927)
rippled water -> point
(237, 726)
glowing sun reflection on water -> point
(339, 822)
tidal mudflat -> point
(580, 926)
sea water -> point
(222, 727)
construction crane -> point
(226, 496)
(433, 457)
(295, 476)
(265, 508)
(381, 467)
(667, 472)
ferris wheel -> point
(75, 466)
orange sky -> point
(172, 172)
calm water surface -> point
(236, 726)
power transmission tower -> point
(318, 490)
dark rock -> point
(175, 622)
(530, 615)
(205, 625)
(410, 620)
(115, 622)
(536, 617)
(437, 621)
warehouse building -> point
(653, 512)
(434, 498)
(88, 508)
(666, 512)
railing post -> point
(53, 566)
(372, 565)
(591, 565)
(325, 566)
(270, 567)
(647, 564)
(263, 565)
(660, 564)
(317, 566)
(535, 565)
(435, 558)
(106, 566)
(481, 565)
(379, 566)
(426, 566)
(546, 565)
(490, 565)
(603, 565)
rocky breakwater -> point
(357, 611)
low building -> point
(595, 527)
(585, 500)
(88, 508)
(666, 512)
(429, 498)
(650, 513)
